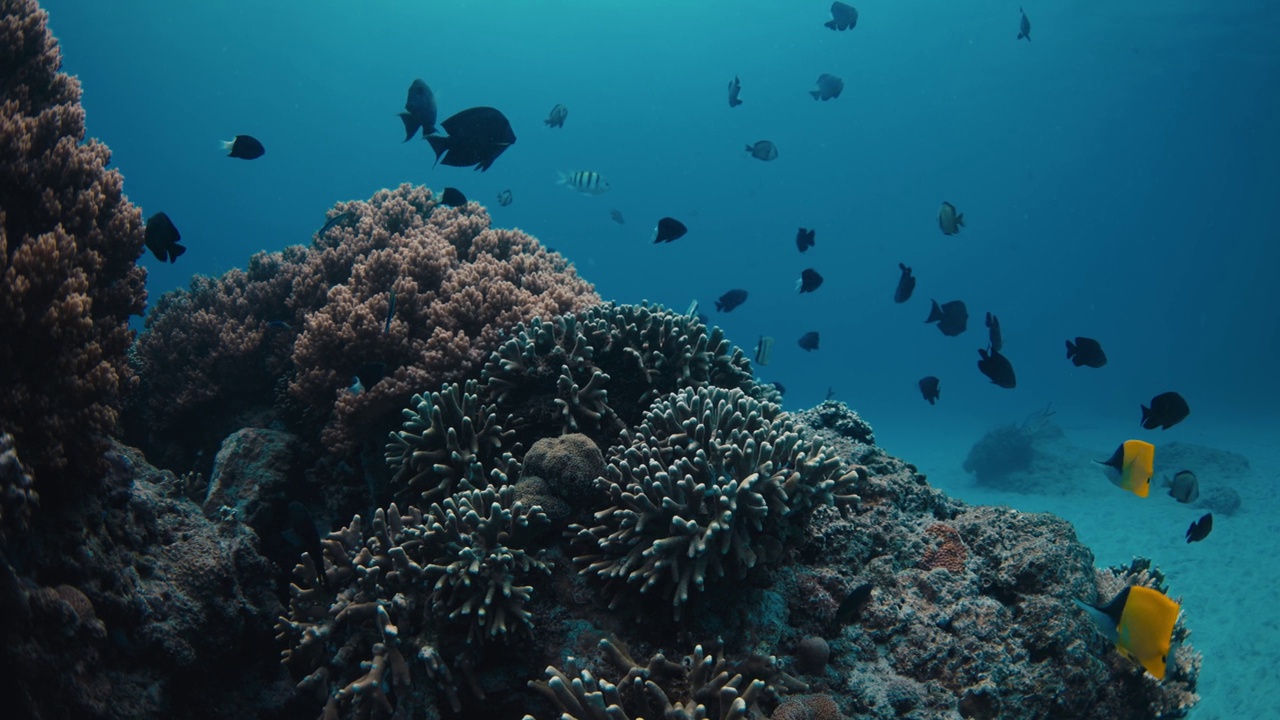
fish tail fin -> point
(410, 126)
(174, 251)
(733, 102)
(564, 178)
(960, 220)
(719, 306)
(1071, 349)
(815, 94)
(830, 23)
(227, 144)
(1146, 413)
(935, 312)
(439, 144)
(749, 148)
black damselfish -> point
(419, 110)
(453, 197)
(952, 317)
(804, 239)
(810, 280)
(843, 17)
(669, 230)
(930, 388)
(1086, 351)
(1200, 529)
(476, 137)
(906, 285)
(731, 300)
(997, 368)
(735, 87)
(1167, 409)
(162, 238)
(995, 339)
(244, 147)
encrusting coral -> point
(712, 483)
(309, 319)
(69, 239)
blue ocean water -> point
(1118, 173)
(1119, 177)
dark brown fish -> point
(930, 388)
(1167, 409)
(952, 317)
(906, 285)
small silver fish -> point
(764, 346)
(949, 220)
(504, 198)
(1184, 487)
(585, 181)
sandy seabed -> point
(1227, 583)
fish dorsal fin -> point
(1116, 461)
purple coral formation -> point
(288, 335)
(68, 242)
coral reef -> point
(392, 595)
(299, 324)
(69, 240)
(999, 454)
(18, 499)
(710, 484)
(158, 606)
(598, 371)
(449, 441)
(830, 578)
(702, 686)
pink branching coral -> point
(69, 240)
(458, 285)
(311, 319)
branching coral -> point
(464, 562)
(703, 686)
(69, 240)
(326, 311)
(598, 371)
(449, 440)
(711, 483)
(18, 498)
(481, 539)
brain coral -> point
(69, 240)
(711, 483)
(305, 321)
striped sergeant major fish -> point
(585, 181)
